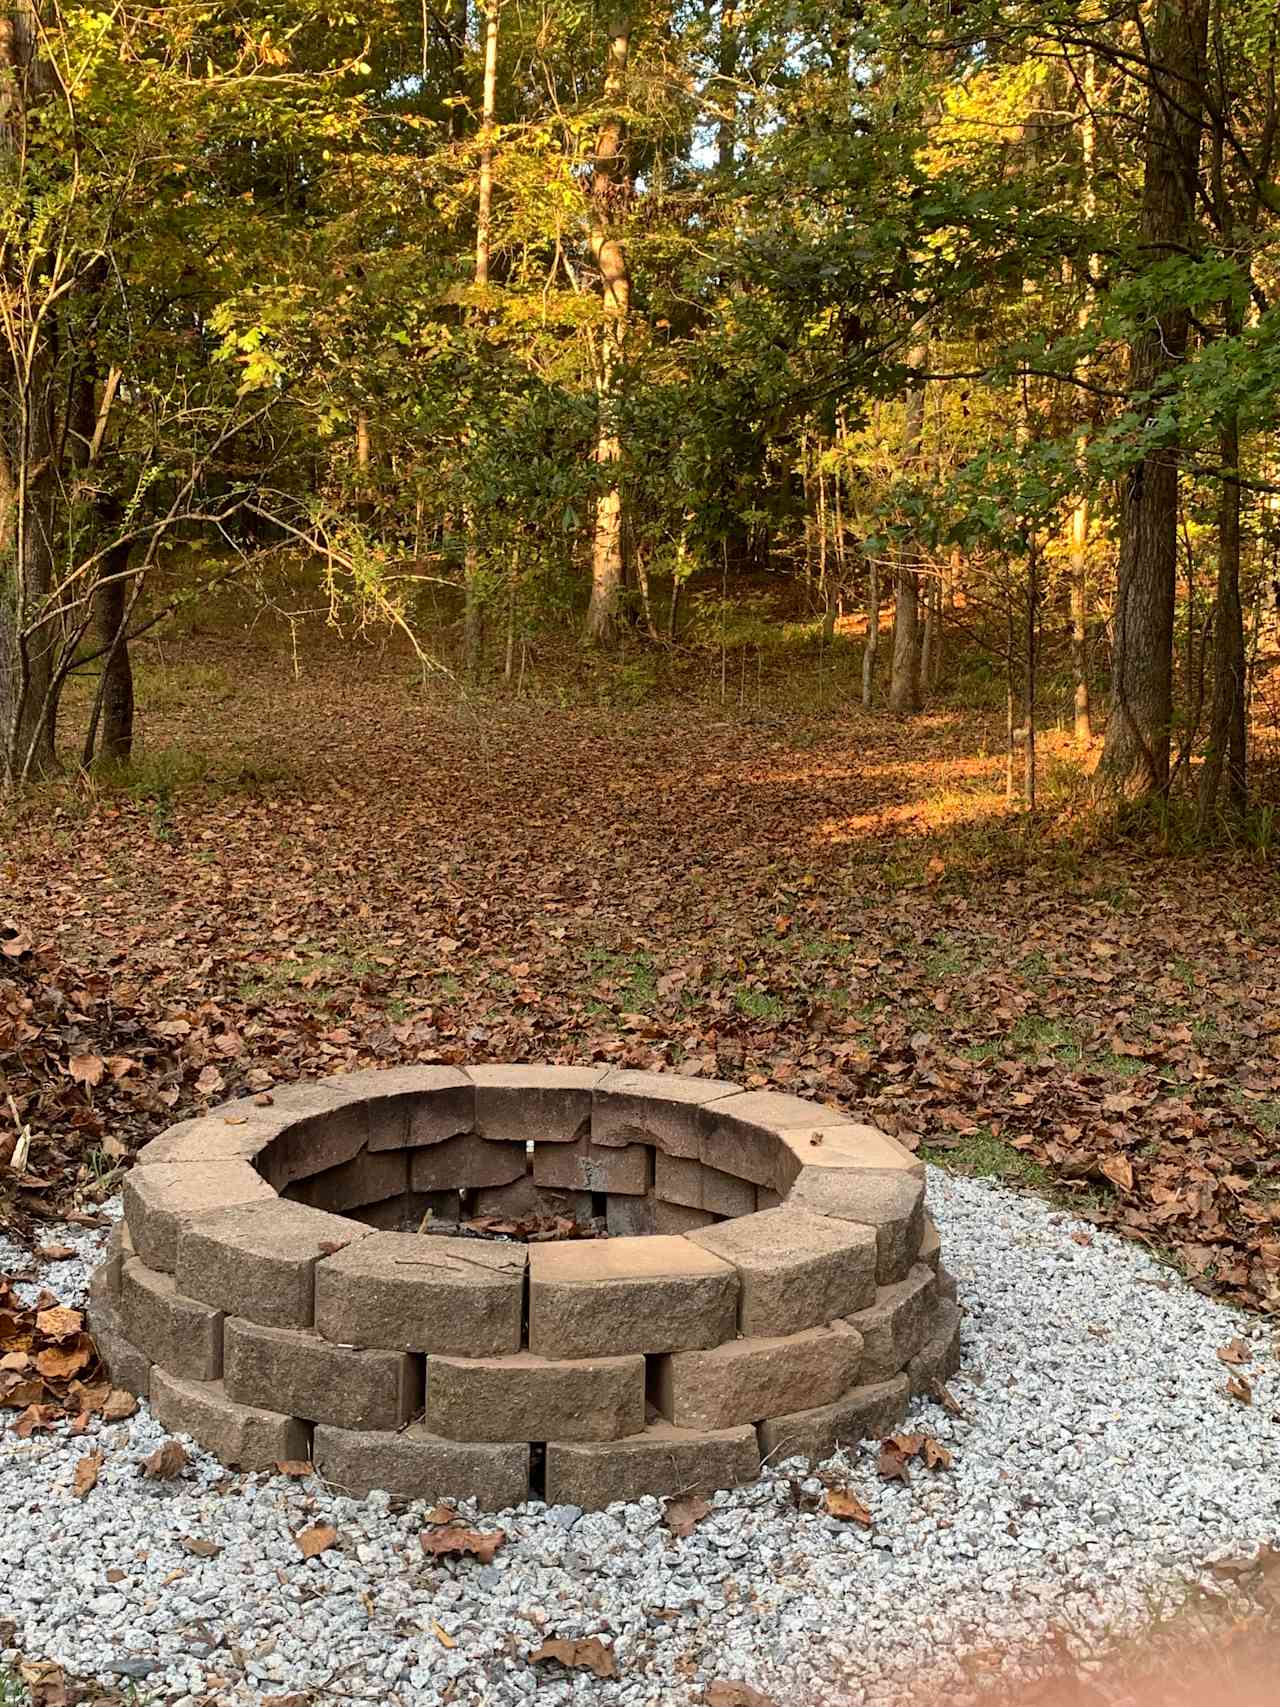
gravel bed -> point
(1098, 1468)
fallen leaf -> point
(442, 1636)
(167, 1461)
(318, 1539)
(892, 1463)
(59, 1323)
(1119, 1170)
(119, 1404)
(683, 1516)
(588, 1653)
(1235, 1352)
(936, 1455)
(844, 1504)
(454, 1538)
(440, 1514)
(1239, 1388)
(200, 1548)
(55, 1253)
(295, 1467)
(730, 1692)
(86, 1475)
(87, 1069)
(61, 1362)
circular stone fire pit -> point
(770, 1284)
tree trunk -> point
(1081, 512)
(608, 197)
(873, 636)
(1135, 758)
(727, 54)
(473, 613)
(904, 680)
(1227, 731)
(111, 604)
(29, 634)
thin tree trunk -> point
(727, 54)
(608, 196)
(473, 610)
(872, 646)
(1227, 730)
(904, 681)
(1081, 511)
(1135, 758)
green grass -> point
(307, 977)
(633, 976)
(759, 1004)
(1035, 1036)
(984, 1156)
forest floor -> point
(319, 869)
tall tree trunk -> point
(1081, 512)
(1135, 758)
(728, 50)
(904, 680)
(608, 197)
(473, 613)
(29, 634)
(1227, 731)
(873, 635)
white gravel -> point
(1099, 1467)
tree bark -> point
(1081, 510)
(473, 612)
(873, 636)
(1227, 728)
(904, 680)
(1135, 758)
(728, 50)
(608, 197)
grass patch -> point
(982, 1155)
(1035, 1036)
(633, 977)
(307, 977)
(759, 1004)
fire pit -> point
(295, 1278)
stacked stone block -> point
(285, 1284)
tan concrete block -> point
(723, 1194)
(947, 1287)
(370, 1177)
(242, 1435)
(316, 1380)
(584, 1166)
(160, 1199)
(890, 1200)
(547, 1105)
(838, 1143)
(864, 1413)
(796, 1270)
(597, 1298)
(662, 1460)
(677, 1218)
(458, 1296)
(412, 1464)
(127, 1366)
(257, 1260)
(677, 1179)
(178, 1332)
(411, 1106)
(237, 1131)
(117, 1251)
(768, 1198)
(743, 1134)
(633, 1107)
(528, 1398)
(328, 1125)
(930, 1244)
(893, 1328)
(631, 1217)
(746, 1379)
(466, 1162)
(939, 1356)
(522, 1200)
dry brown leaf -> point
(731, 1692)
(440, 1514)
(588, 1653)
(167, 1461)
(86, 1475)
(845, 1504)
(456, 1539)
(892, 1463)
(1235, 1352)
(61, 1362)
(55, 1253)
(936, 1455)
(1239, 1388)
(87, 1069)
(683, 1516)
(59, 1323)
(295, 1467)
(197, 1546)
(1119, 1170)
(317, 1539)
(118, 1405)
(442, 1636)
